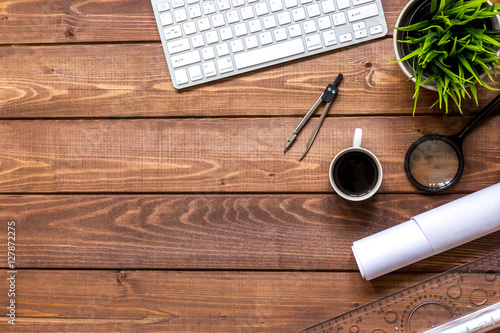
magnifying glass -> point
(435, 162)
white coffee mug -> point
(356, 173)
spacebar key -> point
(269, 53)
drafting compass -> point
(327, 97)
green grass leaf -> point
(452, 48)
(414, 27)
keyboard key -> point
(178, 45)
(208, 53)
(195, 73)
(232, 16)
(362, 13)
(359, 26)
(203, 24)
(223, 5)
(343, 4)
(237, 45)
(276, 5)
(181, 76)
(185, 59)
(180, 15)
(237, 3)
(222, 49)
(377, 29)
(313, 42)
(324, 22)
(298, 14)
(226, 33)
(251, 42)
(208, 7)
(166, 19)
(240, 29)
(280, 34)
(197, 41)
(328, 6)
(246, 12)
(329, 38)
(209, 69)
(360, 33)
(261, 9)
(309, 26)
(265, 38)
(211, 37)
(218, 20)
(172, 32)
(177, 3)
(163, 6)
(291, 3)
(255, 25)
(194, 11)
(269, 22)
(189, 28)
(284, 18)
(313, 10)
(269, 53)
(339, 19)
(225, 65)
(294, 30)
(345, 37)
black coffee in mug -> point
(355, 173)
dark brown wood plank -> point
(62, 21)
(146, 301)
(132, 80)
(251, 232)
(220, 155)
(67, 21)
(157, 301)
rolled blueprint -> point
(429, 233)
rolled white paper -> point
(429, 233)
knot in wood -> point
(121, 277)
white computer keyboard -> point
(206, 40)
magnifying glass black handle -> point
(488, 109)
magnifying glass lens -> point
(434, 163)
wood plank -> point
(69, 21)
(62, 21)
(158, 301)
(251, 232)
(132, 80)
(220, 155)
(147, 301)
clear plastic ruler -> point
(424, 305)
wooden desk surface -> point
(139, 208)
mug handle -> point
(358, 135)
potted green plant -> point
(448, 46)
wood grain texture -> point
(140, 208)
(248, 232)
(158, 301)
(220, 155)
(132, 80)
(69, 21)
(62, 21)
